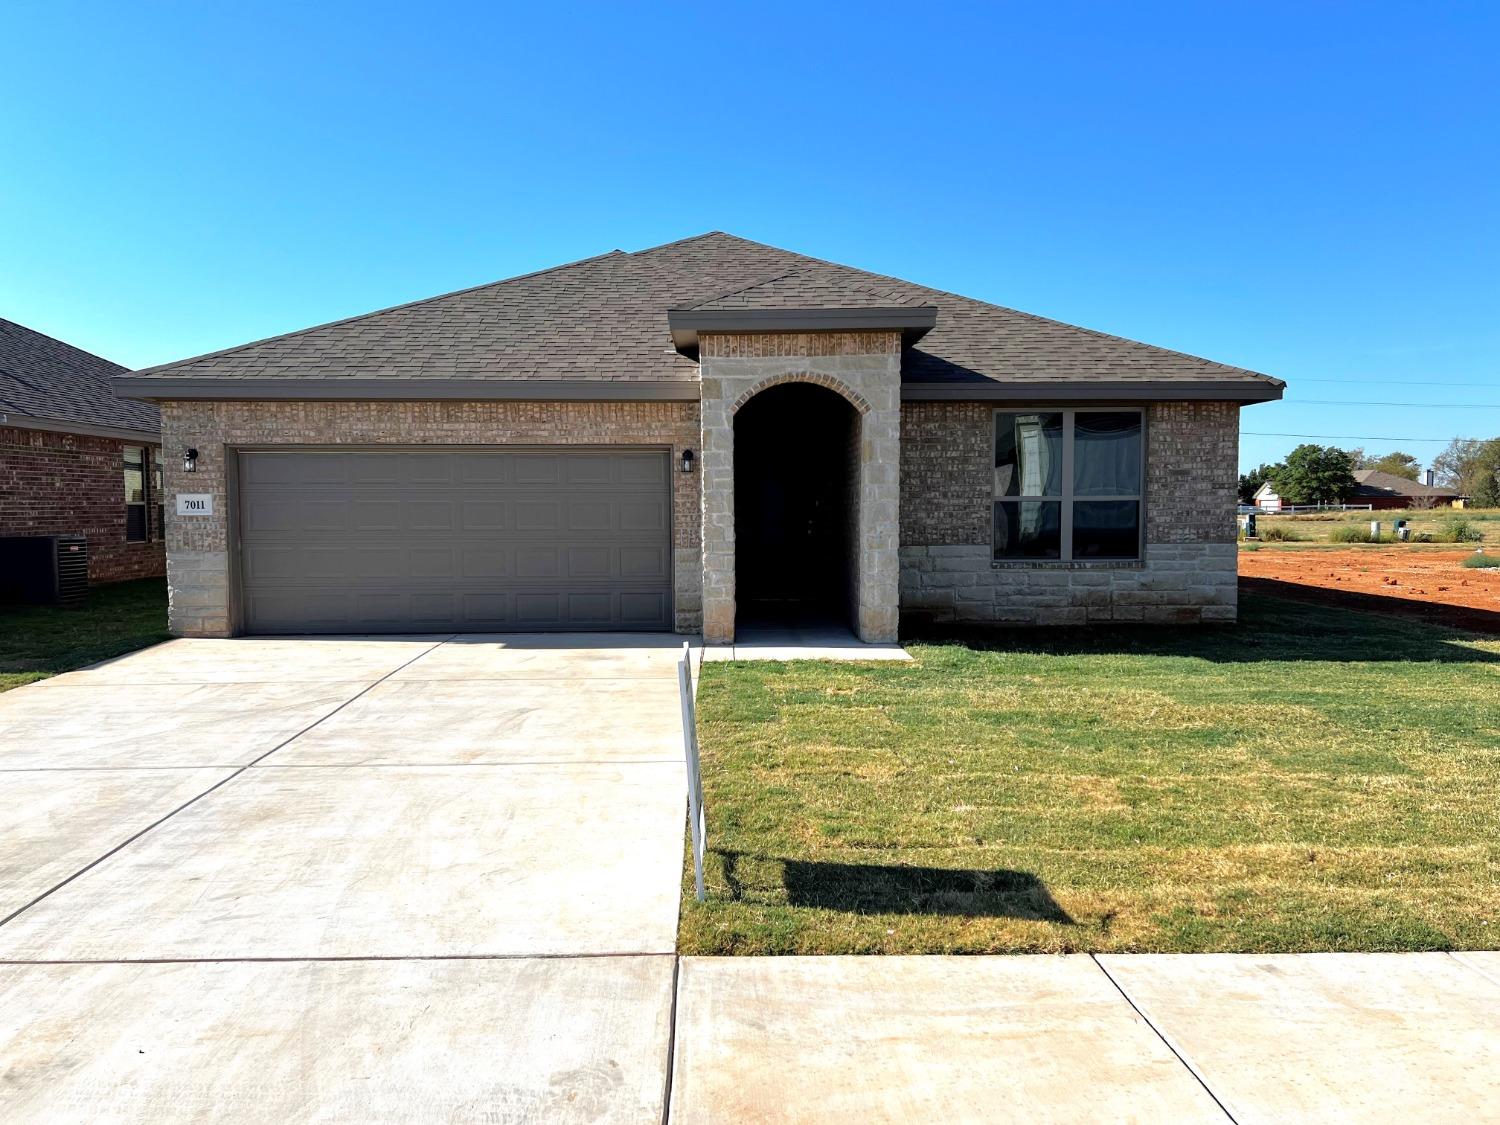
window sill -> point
(1063, 564)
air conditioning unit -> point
(44, 569)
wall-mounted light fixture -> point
(190, 461)
(686, 464)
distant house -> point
(1379, 491)
(1387, 490)
(1266, 498)
(74, 459)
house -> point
(1266, 498)
(1387, 490)
(693, 437)
(75, 458)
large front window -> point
(1068, 484)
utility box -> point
(44, 569)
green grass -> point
(1312, 779)
(1428, 525)
(41, 641)
(1481, 562)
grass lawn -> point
(1315, 527)
(41, 641)
(1312, 779)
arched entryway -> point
(796, 507)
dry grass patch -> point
(1311, 779)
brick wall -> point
(1187, 574)
(198, 562)
(54, 484)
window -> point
(1067, 484)
(160, 530)
(135, 493)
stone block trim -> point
(863, 367)
(1188, 572)
(72, 484)
(199, 561)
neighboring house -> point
(1266, 498)
(1387, 490)
(692, 437)
(1380, 491)
(76, 459)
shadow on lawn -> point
(1270, 629)
(863, 888)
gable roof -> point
(1374, 482)
(604, 319)
(45, 383)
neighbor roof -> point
(1374, 482)
(45, 383)
(605, 319)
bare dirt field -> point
(1419, 582)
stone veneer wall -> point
(198, 560)
(864, 367)
(1188, 573)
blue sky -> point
(1309, 190)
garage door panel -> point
(423, 540)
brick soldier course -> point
(661, 349)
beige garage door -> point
(471, 540)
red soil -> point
(1415, 582)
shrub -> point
(1459, 530)
(1280, 533)
(1254, 546)
(1351, 533)
(1481, 562)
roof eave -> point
(70, 426)
(1243, 391)
(164, 388)
(913, 322)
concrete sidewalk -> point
(1212, 1038)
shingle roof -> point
(45, 378)
(606, 318)
(1374, 482)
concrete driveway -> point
(355, 878)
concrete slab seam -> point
(194, 800)
(1166, 1040)
(1466, 963)
(666, 1093)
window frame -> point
(1068, 496)
(142, 466)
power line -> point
(1351, 437)
(1394, 382)
(1429, 405)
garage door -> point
(396, 541)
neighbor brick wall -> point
(197, 546)
(56, 484)
(1188, 573)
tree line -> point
(1324, 474)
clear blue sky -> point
(1309, 190)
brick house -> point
(691, 437)
(75, 458)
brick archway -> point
(828, 382)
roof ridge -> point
(756, 284)
(377, 312)
(64, 343)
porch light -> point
(190, 461)
(686, 465)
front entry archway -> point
(796, 505)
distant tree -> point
(1473, 468)
(1359, 459)
(1315, 474)
(1250, 482)
(1398, 464)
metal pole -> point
(694, 775)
